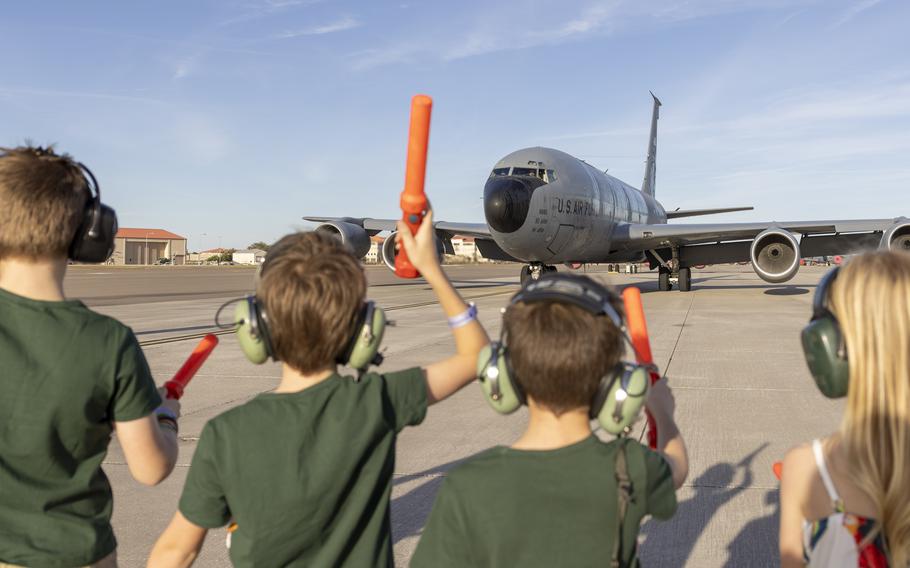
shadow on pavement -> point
(410, 511)
(670, 543)
(787, 291)
(757, 544)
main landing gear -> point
(534, 271)
(669, 272)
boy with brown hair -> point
(69, 377)
(558, 496)
(305, 471)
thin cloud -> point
(262, 9)
(344, 24)
(853, 11)
(526, 30)
(31, 92)
(491, 39)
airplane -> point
(543, 207)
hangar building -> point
(148, 246)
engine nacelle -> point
(897, 237)
(775, 255)
(388, 252)
(352, 236)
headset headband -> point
(95, 194)
(577, 290)
(820, 300)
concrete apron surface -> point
(730, 348)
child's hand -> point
(421, 248)
(171, 404)
(660, 399)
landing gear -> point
(685, 279)
(534, 271)
(663, 279)
(670, 272)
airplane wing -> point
(729, 242)
(374, 226)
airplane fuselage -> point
(543, 205)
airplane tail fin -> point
(647, 186)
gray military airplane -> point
(543, 207)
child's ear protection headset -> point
(823, 344)
(93, 240)
(622, 391)
(361, 351)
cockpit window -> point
(524, 172)
(548, 176)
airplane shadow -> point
(787, 291)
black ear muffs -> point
(93, 240)
(824, 346)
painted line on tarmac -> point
(217, 331)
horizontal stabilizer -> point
(698, 212)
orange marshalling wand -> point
(638, 333)
(413, 198)
(186, 373)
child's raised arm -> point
(445, 377)
(670, 442)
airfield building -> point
(148, 246)
(249, 256)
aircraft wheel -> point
(685, 279)
(525, 274)
(663, 280)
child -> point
(69, 377)
(552, 498)
(844, 498)
(305, 471)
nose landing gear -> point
(534, 271)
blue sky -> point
(227, 121)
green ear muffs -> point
(252, 330)
(493, 372)
(824, 346)
(361, 352)
(620, 397)
(363, 349)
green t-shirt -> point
(510, 507)
(306, 476)
(66, 373)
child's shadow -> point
(756, 544)
(670, 543)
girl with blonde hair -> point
(845, 499)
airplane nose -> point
(506, 200)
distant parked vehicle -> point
(163, 261)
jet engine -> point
(352, 236)
(897, 237)
(775, 255)
(388, 253)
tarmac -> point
(730, 349)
